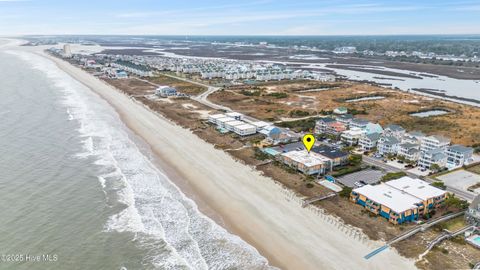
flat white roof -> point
(225, 119)
(245, 127)
(260, 124)
(390, 197)
(354, 132)
(234, 123)
(217, 116)
(308, 159)
(233, 114)
(416, 187)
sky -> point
(244, 17)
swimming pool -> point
(474, 240)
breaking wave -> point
(146, 203)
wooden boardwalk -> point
(317, 198)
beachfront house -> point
(307, 163)
(165, 91)
(434, 142)
(458, 155)
(369, 141)
(337, 157)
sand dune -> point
(252, 206)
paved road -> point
(385, 166)
(202, 98)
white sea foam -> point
(165, 222)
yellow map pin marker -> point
(308, 140)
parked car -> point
(358, 184)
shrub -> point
(392, 176)
(345, 192)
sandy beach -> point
(251, 205)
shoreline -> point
(241, 196)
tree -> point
(355, 159)
(439, 185)
(435, 167)
(455, 202)
(345, 192)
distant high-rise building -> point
(67, 52)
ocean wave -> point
(164, 221)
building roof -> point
(373, 136)
(440, 138)
(217, 116)
(305, 158)
(234, 123)
(329, 152)
(460, 148)
(360, 121)
(408, 145)
(373, 128)
(416, 187)
(234, 114)
(394, 128)
(245, 127)
(225, 119)
(436, 154)
(390, 140)
(390, 197)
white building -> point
(458, 155)
(352, 136)
(435, 156)
(232, 124)
(221, 121)
(165, 91)
(67, 51)
(235, 115)
(409, 151)
(245, 130)
(307, 163)
(387, 145)
(214, 117)
(434, 142)
(369, 141)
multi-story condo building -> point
(434, 142)
(409, 151)
(369, 141)
(433, 156)
(387, 145)
(414, 137)
(458, 155)
(395, 131)
(345, 119)
(359, 123)
(322, 124)
(352, 136)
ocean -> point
(79, 190)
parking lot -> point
(461, 179)
(367, 176)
